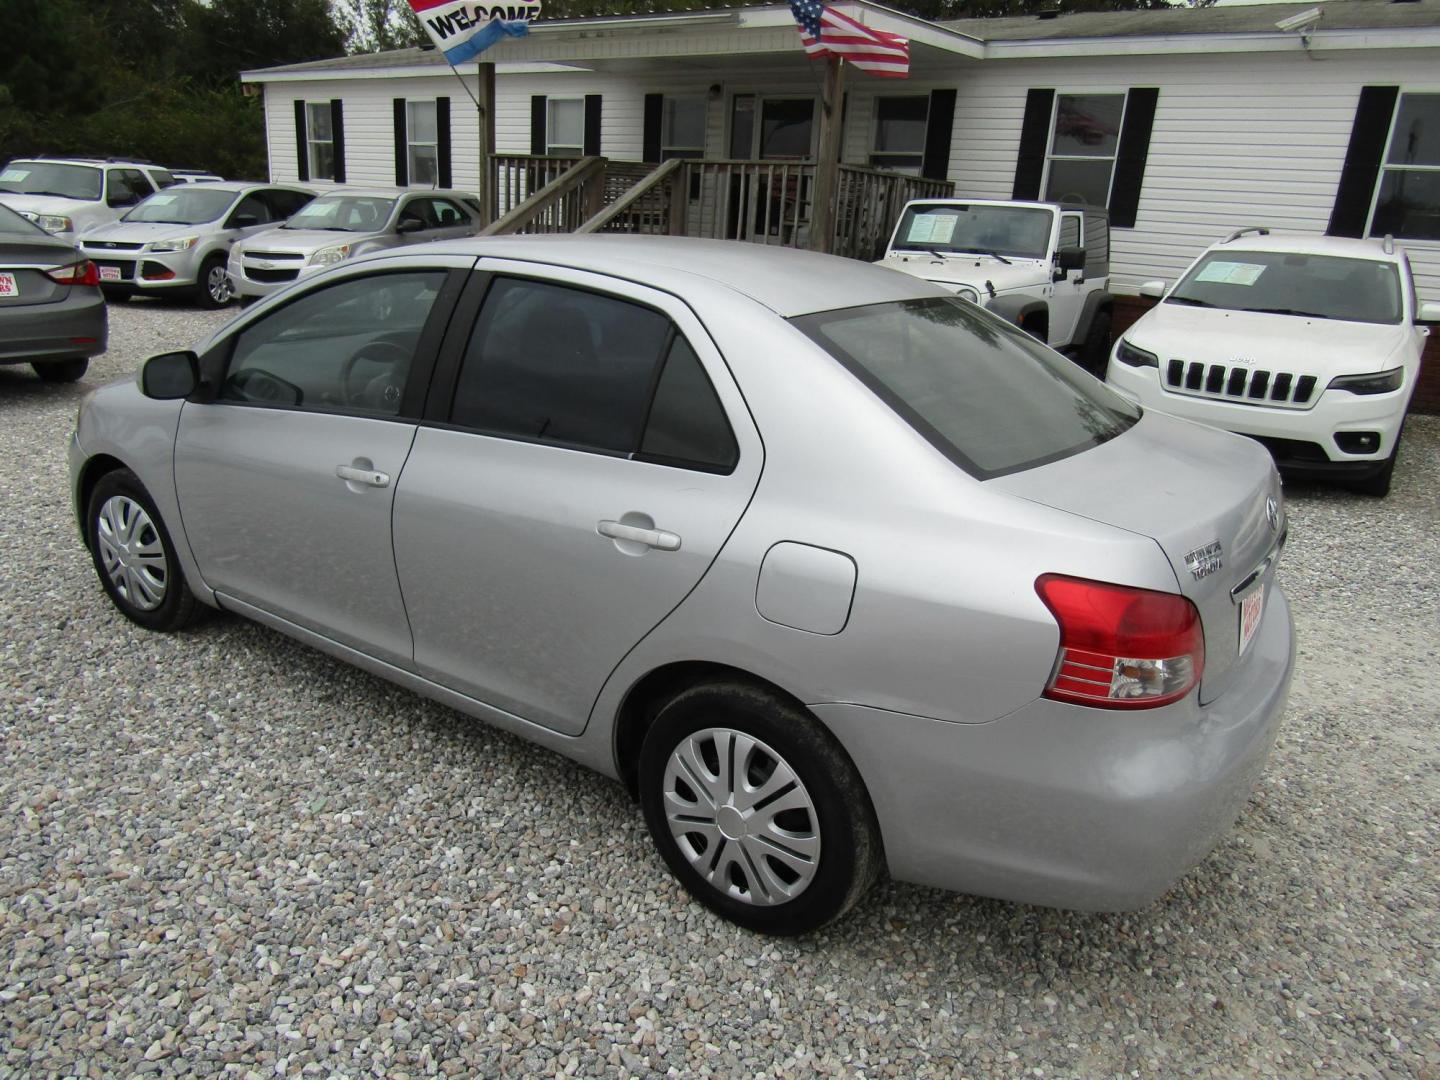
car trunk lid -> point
(24, 261)
(1210, 500)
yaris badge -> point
(1202, 562)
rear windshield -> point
(984, 393)
(1290, 283)
(182, 205)
(50, 178)
(344, 213)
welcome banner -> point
(462, 29)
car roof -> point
(1038, 204)
(1307, 244)
(389, 193)
(244, 185)
(788, 281)
(99, 162)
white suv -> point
(70, 196)
(1307, 343)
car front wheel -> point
(757, 810)
(134, 556)
(214, 289)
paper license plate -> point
(1251, 608)
(8, 285)
(109, 273)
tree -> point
(377, 25)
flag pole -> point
(827, 169)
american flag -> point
(827, 32)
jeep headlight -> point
(184, 243)
(54, 223)
(1382, 382)
(968, 294)
(331, 255)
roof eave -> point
(1413, 37)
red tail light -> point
(1122, 648)
(80, 273)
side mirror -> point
(1153, 288)
(1070, 258)
(244, 221)
(410, 225)
(170, 376)
(1428, 313)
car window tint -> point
(687, 424)
(446, 214)
(345, 348)
(252, 206)
(559, 365)
(284, 203)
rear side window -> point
(983, 392)
(687, 426)
(560, 365)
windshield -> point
(343, 213)
(183, 206)
(50, 178)
(1289, 283)
(12, 224)
(984, 393)
(1016, 231)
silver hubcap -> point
(741, 817)
(131, 552)
(219, 284)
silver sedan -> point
(836, 572)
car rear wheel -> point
(757, 810)
(213, 289)
(59, 371)
(134, 556)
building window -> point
(1407, 198)
(319, 140)
(900, 133)
(565, 127)
(1084, 135)
(422, 140)
(682, 129)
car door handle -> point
(655, 538)
(362, 476)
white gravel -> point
(223, 853)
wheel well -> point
(1036, 323)
(648, 696)
(97, 467)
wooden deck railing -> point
(561, 206)
(654, 205)
(518, 176)
(868, 204)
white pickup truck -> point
(1044, 266)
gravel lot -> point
(225, 853)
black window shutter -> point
(537, 124)
(654, 118)
(302, 147)
(592, 124)
(1034, 141)
(402, 149)
(442, 149)
(1130, 155)
(337, 125)
(939, 128)
(1362, 160)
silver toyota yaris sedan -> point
(835, 570)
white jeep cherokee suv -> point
(1307, 343)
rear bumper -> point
(73, 327)
(1067, 806)
(1301, 440)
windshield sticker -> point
(932, 229)
(161, 200)
(321, 209)
(14, 176)
(1231, 273)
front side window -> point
(319, 140)
(1292, 283)
(283, 203)
(51, 178)
(900, 133)
(344, 213)
(565, 131)
(345, 348)
(682, 128)
(552, 364)
(1007, 231)
(127, 187)
(1084, 136)
(1407, 198)
(984, 393)
(182, 205)
(422, 136)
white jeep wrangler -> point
(1043, 266)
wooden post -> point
(827, 170)
(486, 105)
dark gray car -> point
(52, 315)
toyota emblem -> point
(1272, 513)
